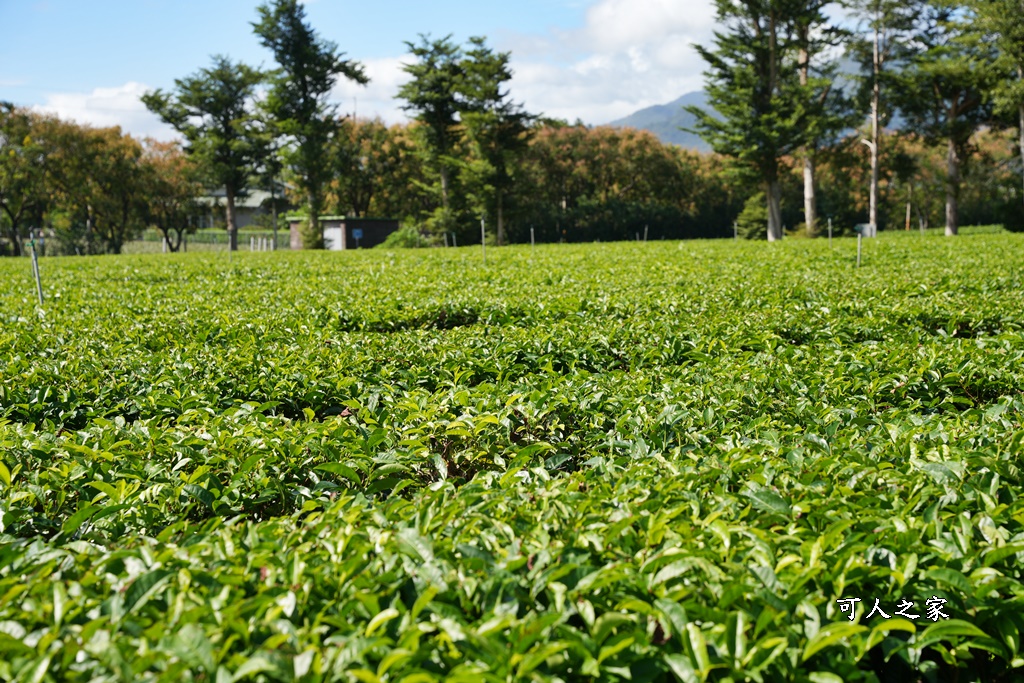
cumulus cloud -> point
(378, 97)
(117, 106)
(628, 54)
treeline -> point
(791, 152)
(948, 69)
(569, 183)
(88, 190)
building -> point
(255, 208)
(341, 232)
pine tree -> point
(827, 109)
(497, 128)
(888, 24)
(433, 96)
(214, 110)
(945, 92)
(298, 100)
(753, 85)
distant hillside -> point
(665, 121)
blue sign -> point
(357, 233)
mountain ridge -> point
(667, 120)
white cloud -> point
(618, 25)
(118, 106)
(378, 97)
(629, 54)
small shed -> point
(342, 232)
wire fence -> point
(152, 242)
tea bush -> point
(644, 462)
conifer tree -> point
(497, 127)
(433, 96)
(888, 24)
(298, 100)
(828, 111)
(753, 86)
(945, 92)
(214, 110)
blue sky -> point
(590, 59)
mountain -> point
(665, 121)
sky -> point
(593, 60)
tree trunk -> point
(229, 193)
(1020, 112)
(176, 245)
(810, 214)
(810, 218)
(314, 237)
(952, 190)
(876, 97)
(774, 194)
(501, 220)
(444, 186)
(910, 199)
(12, 235)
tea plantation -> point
(611, 462)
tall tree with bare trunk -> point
(1004, 20)
(828, 110)
(881, 43)
(945, 91)
(497, 127)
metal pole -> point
(455, 242)
(483, 240)
(859, 238)
(645, 233)
(446, 240)
(531, 238)
(35, 269)
(735, 230)
(830, 232)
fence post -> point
(35, 268)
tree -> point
(945, 90)
(497, 127)
(214, 110)
(95, 177)
(753, 86)
(298, 99)
(751, 223)
(170, 188)
(433, 97)
(889, 23)
(1004, 20)
(374, 170)
(22, 172)
(827, 110)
